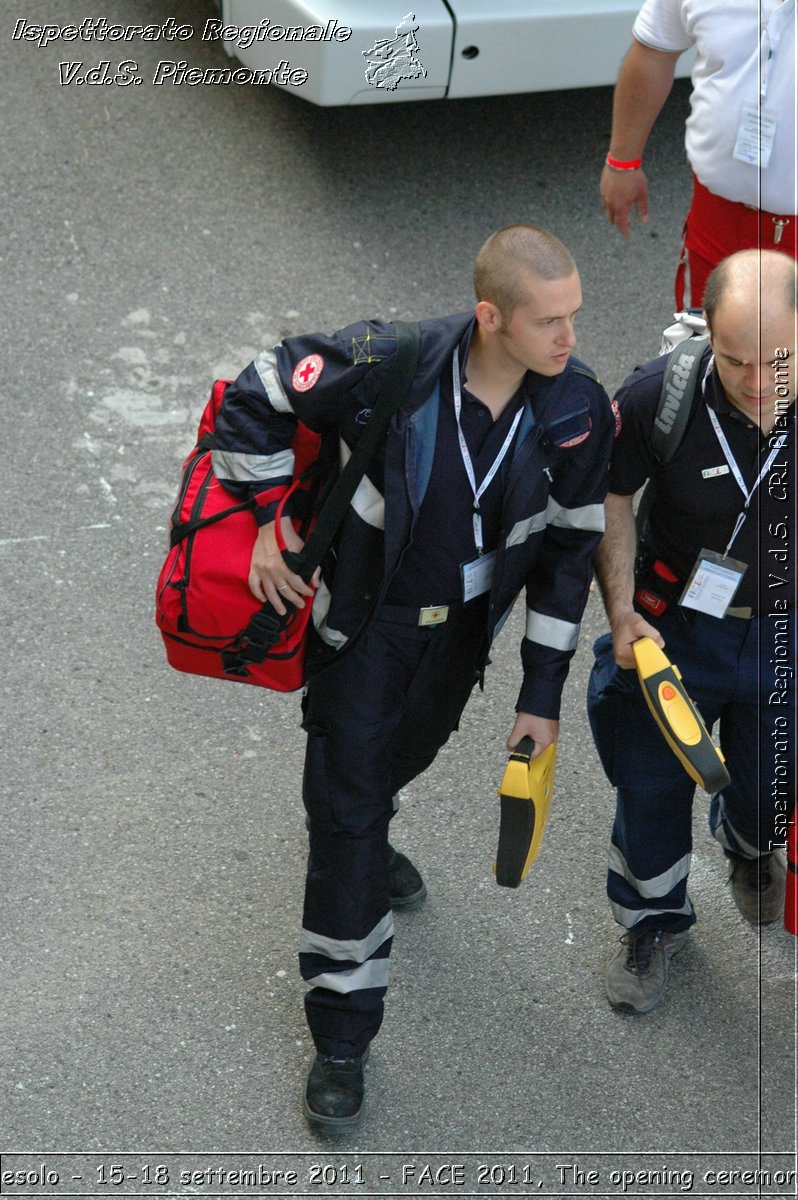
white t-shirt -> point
(742, 47)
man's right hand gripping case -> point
(209, 619)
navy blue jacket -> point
(554, 488)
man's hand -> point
(644, 81)
(628, 629)
(621, 191)
(269, 576)
(542, 730)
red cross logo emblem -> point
(307, 372)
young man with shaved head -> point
(723, 509)
(492, 482)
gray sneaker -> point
(636, 976)
(758, 886)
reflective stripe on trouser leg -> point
(659, 895)
(365, 741)
(724, 831)
(347, 975)
(347, 926)
(728, 669)
(652, 833)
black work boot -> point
(334, 1092)
(406, 888)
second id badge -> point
(477, 575)
(712, 584)
(755, 136)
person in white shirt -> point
(740, 135)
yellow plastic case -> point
(525, 794)
(677, 716)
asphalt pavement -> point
(153, 842)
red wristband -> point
(615, 164)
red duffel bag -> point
(204, 608)
(210, 622)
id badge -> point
(712, 584)
(755, 135)
(477, 575)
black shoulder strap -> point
(676, 399)
(394, 387)
(676, 396)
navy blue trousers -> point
(374, 721)
(736, 673)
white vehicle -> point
(371, 51)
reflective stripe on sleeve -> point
(249, 468)
(369, 504)
(266, 366)
(589, 517)
(524, 529)
(321, 607)
(367, 501)
(550, 631)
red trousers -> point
(715, 228)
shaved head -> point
(510, 257)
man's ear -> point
(488, 316)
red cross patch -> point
(307, 372)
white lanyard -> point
(477, 491)
(735, 470)
(771, 37)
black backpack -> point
(676, 401)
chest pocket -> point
(570, 430)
